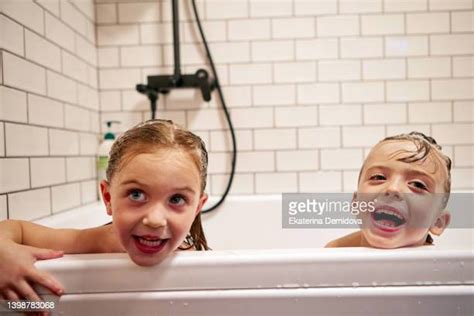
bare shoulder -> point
(351, 240)
(101, 239)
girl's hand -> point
(17, 270)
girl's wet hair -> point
(147, 137)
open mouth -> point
(388, 219)
(149, 245)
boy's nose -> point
(156, 217)
(394, 189)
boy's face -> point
(406, 206)
(154, 199)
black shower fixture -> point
(164, 83)
(200, 79)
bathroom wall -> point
(49, 106)
(311, 86)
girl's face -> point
(406, 206)
(154, 199)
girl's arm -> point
(66, 240)
(17, 271)
(22, 243)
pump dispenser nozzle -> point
(103, 153)
(109, 134)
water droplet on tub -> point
(461, 264)
(279, 286)
(355, 284)
(374, 283)
(305, 285)
(185, 304)
(419, 302)
(296, 300)
(171, 302)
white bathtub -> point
(268, 279)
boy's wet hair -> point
(151, 135)
(424, 144)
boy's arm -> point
(351, 240)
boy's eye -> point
(136, 195)
(419, 185)
(377, 177)
(177, 199)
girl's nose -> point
(156, 217)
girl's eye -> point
(377, 177)
(177, 199)
(419, 185)
(136, 195)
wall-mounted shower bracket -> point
(164, 83)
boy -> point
(408, 179)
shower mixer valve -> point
(164, 83)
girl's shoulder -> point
(109, 242)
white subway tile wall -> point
(310, 85)
(48, 99)
(13, 105)
(3, 207)
(2, 140)
(65, 196)
(463, 156)
(24, 140)
(350, 180)
(88, 191)
(297, 160)
(221, 141)
(320, 181)
(12, 36)
(20, 204)
(276, 182)
(242, 184)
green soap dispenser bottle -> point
(103, 154)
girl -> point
(154, 192)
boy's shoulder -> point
(351, 240)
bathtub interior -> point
(250, 222)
